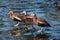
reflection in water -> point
(44, 9)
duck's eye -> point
(10, 14)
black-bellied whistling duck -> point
(28, 18)
(15, 17)
(41, 22)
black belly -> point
(16, 20)
(43, 25)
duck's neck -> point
(35, 20)
(11, 16)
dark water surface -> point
(43, 8)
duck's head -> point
(11, 12)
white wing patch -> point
(18, 18)
(41, 22)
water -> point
(43, 8)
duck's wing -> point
(43, 21)
(17, 14)
(17, 18)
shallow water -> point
(43, 9)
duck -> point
(28, 18)
(15, 16)
(41, 22)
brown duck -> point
(15, 17)
(40, 22)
